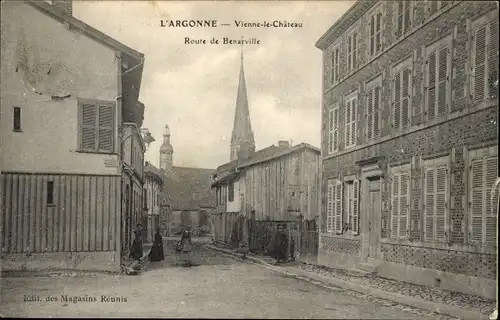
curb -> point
(402, 299)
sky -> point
(193, 87)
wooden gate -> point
(305, 242)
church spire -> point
(166, 151)
(242, 139)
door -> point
(374, 218)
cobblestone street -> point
(216, 286)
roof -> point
(190, 188)
(230, 169)
(158, 174)
(85, 28)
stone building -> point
(409, 142)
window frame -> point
(50, 193)
(434, 164)
(371, 86)
(348, 98)
(352, 56)
(333, 128)
(334, 64)
(351, 204)
(396, 18)
(399, 171)
(481, 154)
(334, 202)
(97, 103)
(436, 47)
(399, 68)
(18, 118)
(379, 9)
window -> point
(436, 200)
(404, 16)
(97, 121)
(17, 119)
(483, 208)
(352, 52)
(401, 98)
(333, 129)
(484, 58)
(351, 198)
(335, 65)
(231, 192)
(400, 201)
(436, 5)
(373, 103)
(438, 65)
(350, 119)
(334, 206)
(375, 45)
(50, 192)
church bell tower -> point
(166, 151)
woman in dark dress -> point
(281, 243)
(156, 253)
(136, 248)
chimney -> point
(65, 6)
(283, 144)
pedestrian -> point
(156, 253)
(135, 253)
(281, 243)
(139, 231)
(186, 239)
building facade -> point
(152, 189)
(409, 142)
(60, 117)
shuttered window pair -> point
(436, 203)
(335, 65)
(373, 103)
(97, 126)
(375, 33)
(438, 78)
(350, 120)
(401, 103)
(483, 206)
(352, 51)
(333, 129)
(404, 17)
(400, 204)
(335, 207)
(484, 58)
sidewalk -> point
(453, 304)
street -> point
(216, 286)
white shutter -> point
(349, 53)
(479, 72)
(431, 85)
(332, 67)
(404, 196)
(338, 207)
(397, 101)
(429, 204)
(395, 206)
(476, 201)
(347, 122)
(407, 16)
(492, 46)
(106, 125)
(369, 112)
(336, 129)
(399, 18)
(330, 131)
(354, 50)
(337, 64)
(376, 111)
(442, 103)
(353, 121)
(378, 33)
(441, 203)
(355, 208)
(405, 97)
(88, 127)
(372, 34)
(491, 175)
(330, 207)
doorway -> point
(374, 218)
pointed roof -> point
(242, 128)
(166, 146)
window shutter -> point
(372, 35)
(88, 134)
(404, 196)
(353, 121)
(395, 206)
(491, 175)
(443, 83)
(330, 131)
(369, 112)
(400, 10)
(354, 50)
(338, 207)
(332, 67)
(336, 129)
(407, 12)
(397, 100)
(492, 56)
(330, 211)
(429, 204)
(431, 85)
(106, 128)
(337, 65)
(477, 200)
(479, 63)
(347, 122)
(376, 112)
(349, 53)
(441, 203)
(355, 207)
(378, 33)
(405, 99)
